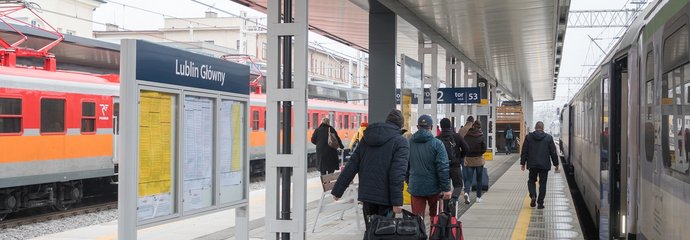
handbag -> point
(332, 140)
(409, 227)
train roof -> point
(318, 104)
(59, 81)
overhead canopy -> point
(518, 43)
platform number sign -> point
(448, 96)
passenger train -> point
(58, 134)
(626, 133)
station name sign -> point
(447, 96)
(188, 69)
(162, 64)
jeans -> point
(531, 184)
(419, 204)
(468, 179)
(509, 146)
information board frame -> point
(132, 86)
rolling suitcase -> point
(445, 225)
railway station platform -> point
(503, 214)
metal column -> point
(433, 89)
(286, 215)
(453, 69)
(382, 64)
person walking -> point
(474, 160)
(537, 149)
(381, 162)
(327, 155)
(468, 125)
(456, 149)
(428, 175)
(358, 136)
(509, 140)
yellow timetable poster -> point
(155, 140)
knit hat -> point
(425, 122)
(364, 124)
(395, 117)
(445, 123)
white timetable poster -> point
(197, 168)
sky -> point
(580, 54)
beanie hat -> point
(445, 123)
(364, 124)
(425, 122)
(395, 117)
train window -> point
(649, 122)
(116, 118)
(315, 120)
(649, 66)
(255, 120)
(88, 117)
(52, 115)
(10, 115)
(676, 49)
(347, 121)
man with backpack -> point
(456, 148)
(509, 140)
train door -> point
(116, 128)
(617, 89)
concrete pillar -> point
(382, 64)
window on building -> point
(237, 42)
(264, 51)
(88, 117)
(52, 115)
(70, 32)
(255, 120)
(10, 115)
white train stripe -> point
(37, 84)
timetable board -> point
(184, 136)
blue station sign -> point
(162, 64)
(447, 96)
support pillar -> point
(382, 61)
(286, 165)
(433, 89)
(453, 68)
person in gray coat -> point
(537, 150)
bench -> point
(346, 202)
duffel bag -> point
(409, 227)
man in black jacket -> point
(460, 149)
(381, 161)
(536, 151)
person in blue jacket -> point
(381, 162)
(429, 177)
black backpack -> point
(449, 142)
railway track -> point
(10, 223)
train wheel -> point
(68, 194)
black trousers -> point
(543, 174)
(456, 179)
(369, 209)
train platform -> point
(503, 214)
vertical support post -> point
(286, 214)
(452, 66)
(493, 106)
(128, 181)
(433, 89)
(382, 64)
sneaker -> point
(541, 206)
(467, 198)
(533, 203)
(479, 200)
